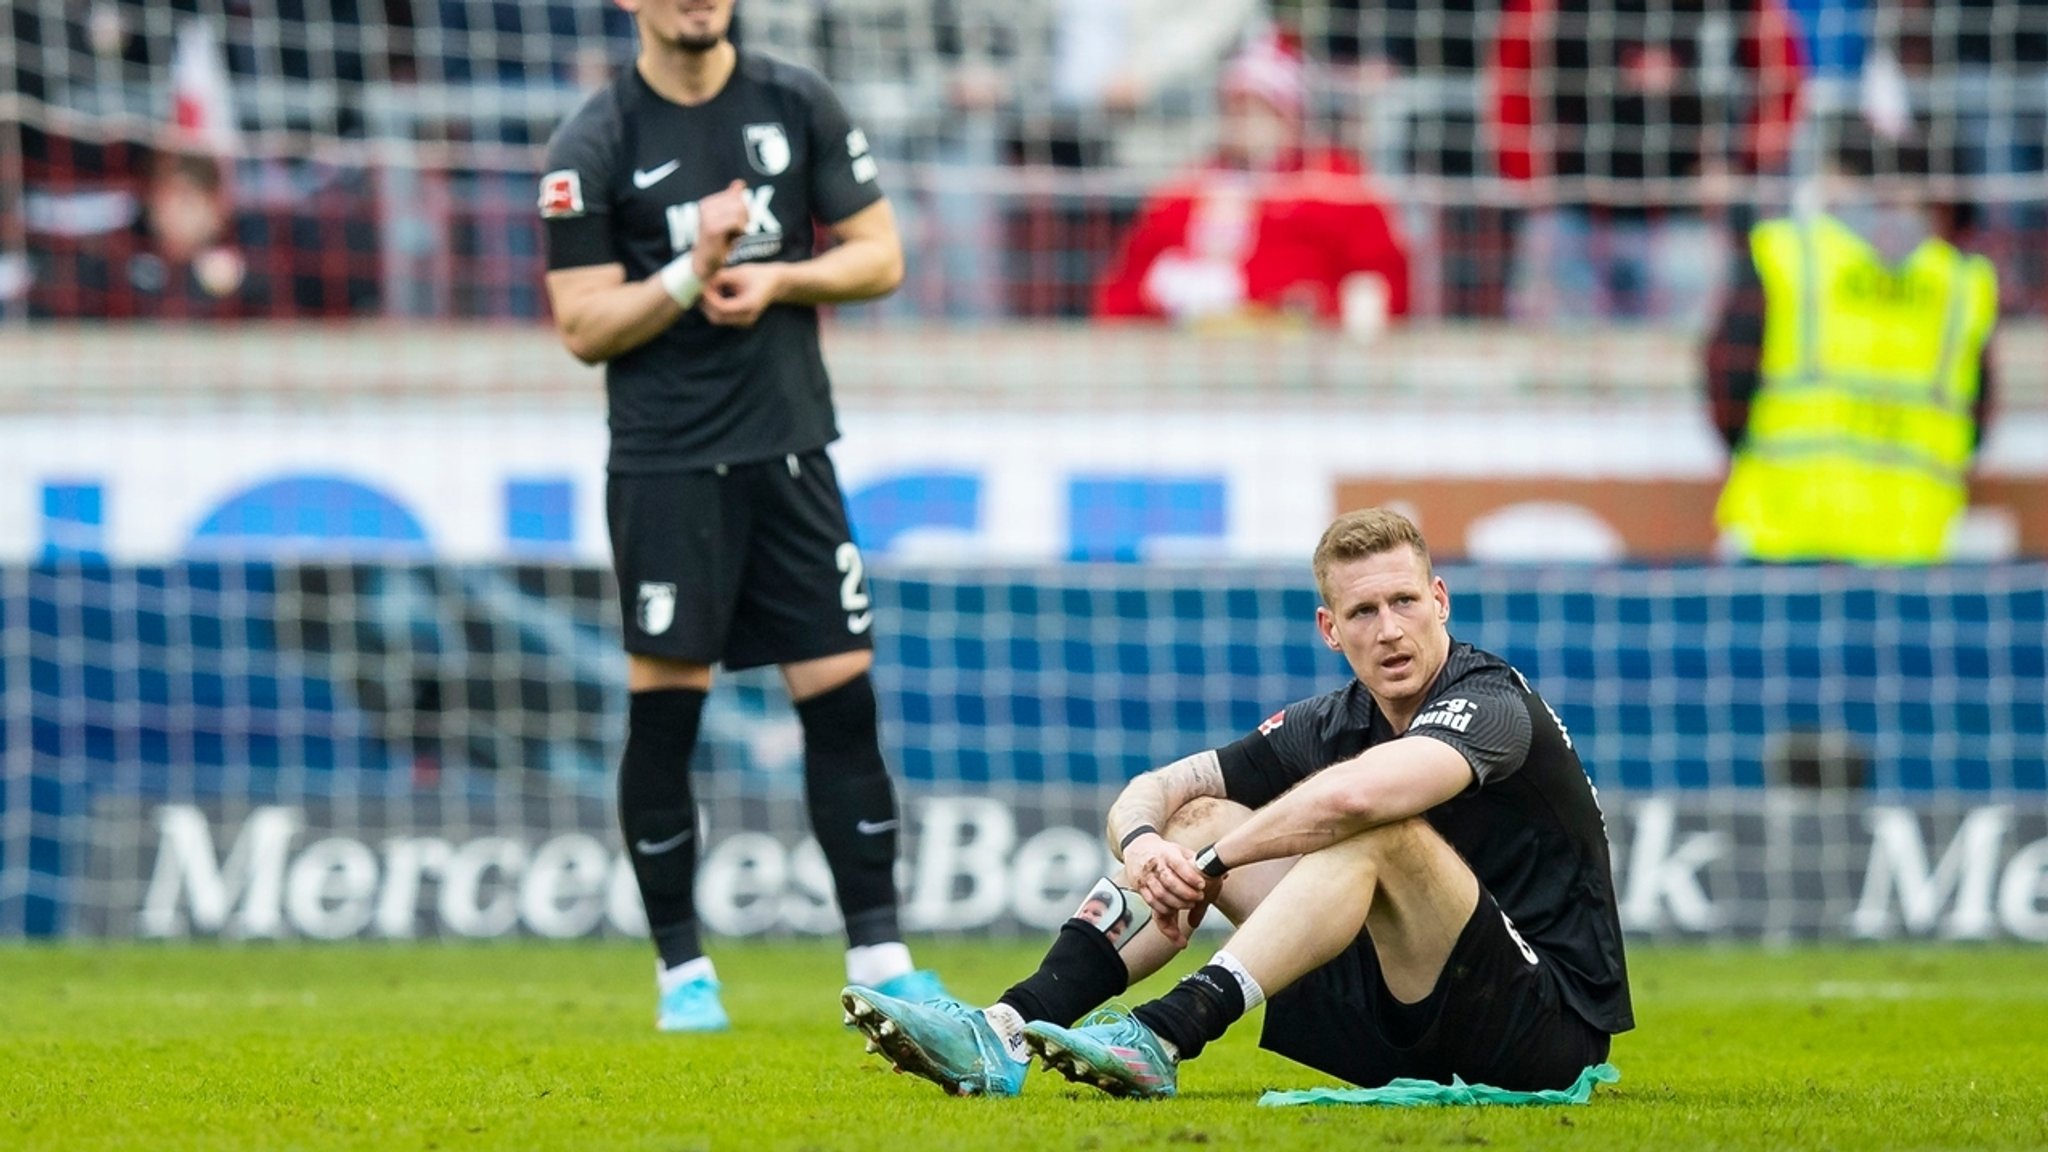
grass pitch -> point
(552, 1046)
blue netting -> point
(272, 682)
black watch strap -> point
(1210, 863)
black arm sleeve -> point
(1252, 772)
(843, 170)
(575, 191)
(1284, 751)
(579, 243)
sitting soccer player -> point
(1415, 862)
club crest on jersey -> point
(561, 194)
(767, 149)
(657, 607)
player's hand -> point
(1165, 875)
(1178, 930)
(721, 221)
(737, 296)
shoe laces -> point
(1117, 1025)
(956, 1009)
(987, 1043)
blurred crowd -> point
(1202, 162)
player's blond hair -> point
(1366, 532)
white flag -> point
(202, 106)
(1886, 105)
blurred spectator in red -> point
(1400, 81)
(154, 240)
(1272, 225)
(121, 230)
(157, 238)
(1634, 118)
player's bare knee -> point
(1386, 848)
(1399, 836)
(1401, 842)
(657, 673)
(1203, 821)
(809, 678)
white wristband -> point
(679, 280)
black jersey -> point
(624, 177)
(1529, 826)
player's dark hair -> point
(1366, 532)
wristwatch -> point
(1210, 863)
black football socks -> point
(659, 817)
(1079, 972)
(853, 807)
(1200, 1008)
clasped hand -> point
(1165, 876)
(733, 296)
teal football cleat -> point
(692, 1006)
(943, 1041)
(919, 987)
(1109, 1050)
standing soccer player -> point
(679, 205)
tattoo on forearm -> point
(1154, 797)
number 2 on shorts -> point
(851, 597)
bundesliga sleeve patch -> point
(864, 168)
(561, 194)
(1273, 723)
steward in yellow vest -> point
(1854, 412)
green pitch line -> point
(552, 1046)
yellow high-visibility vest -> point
(1861, 432)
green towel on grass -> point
(1429, 1093)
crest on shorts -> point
(767, 149)
(657, 607)
(561, 194)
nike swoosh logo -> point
(871, 827)
(861, 623)
(651, 848)
(652, 176)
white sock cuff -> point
(688, 970)
(1253, 994)
(872, 965)
(1009, 1028)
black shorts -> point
(741, 565)
(1495, 1017)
